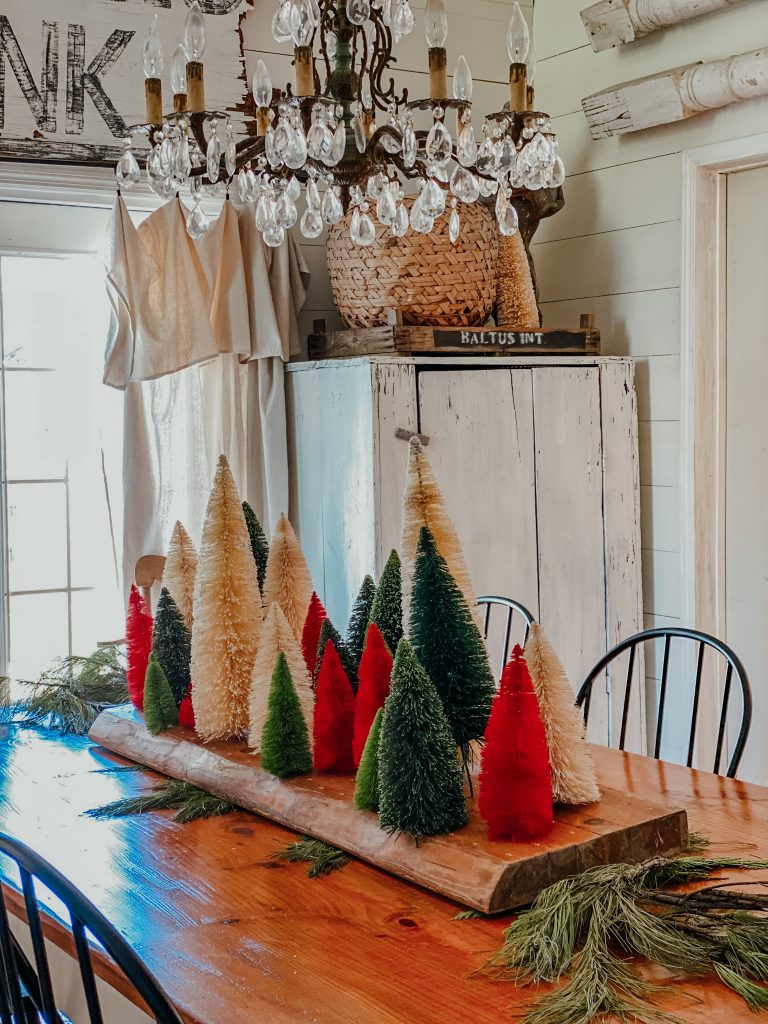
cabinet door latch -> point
(405, 435)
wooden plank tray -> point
(437, 341)
(466, 866)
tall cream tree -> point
(287, 581)
(180, 571)
(423, 505)
(225, 632)
(276, 637)
(574, 780)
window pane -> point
(37, 536)
(97, 618)
(37, 421)
(39, 633)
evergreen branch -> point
(189, 801)
(323, 857)
(69, 697)
(468, 915)
(697, 843)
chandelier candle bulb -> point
(194, 45)
(179, 79)
(153, 65)
(305, 71)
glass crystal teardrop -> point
(385, 207)
(360, 140)
(167, 152)
(557, 174)
(486, 157)
(274, 236)
(311, 223)
(182, 161)
(286, 213)
(165, 188)
(294, 189)
(315, 140)
(505, 156)
(302, 22)
(432, 199)
(197, 222)
(508, 222)
(281, 23)
(295, 154)
(465, 185)
(265, 213)
(230, 153)
(420, 221)
(332, 209)
(339, 144)
(313, 195)
(127, 171)
(155, 168)
(403, 21)
(439, 145)
(410, 146)
(400, 222)
(454, 226)
(386, 12)
(367, 231)
(213, 157)
(466, 146)
(358, 11)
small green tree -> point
(359, 619)
(421, 788)
(285, 747)
(160, 711)
(171, 645)
(367, 778)
(387, 611)
(450, 646)
(329, 632)
(259, 544)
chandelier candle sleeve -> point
(305, 70)
(153, 65)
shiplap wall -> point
(616, 248)
(478, 30)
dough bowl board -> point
(465, 866)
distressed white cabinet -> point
(538, 463)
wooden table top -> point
(234, 935)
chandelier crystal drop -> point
(343, 136)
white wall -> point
(477, 29)
(615, 249)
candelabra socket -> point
(518, 99)
(438, 72)
(195, 87)
(153, 91)
(262, 121)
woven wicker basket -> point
(432, 282)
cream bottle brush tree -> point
(180, 570)
(225, 633)
(287, 580)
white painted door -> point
(746, 475)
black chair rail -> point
(734, 671)
(26, 992)
(511, 606)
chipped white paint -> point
(676, 95)
(611, 23)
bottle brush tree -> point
(285, 740)
(259, 544)
(180, 571)
(287, 580)
(574, 780)
(423, 505)
(359, 619)
(450, 646)
(334, 716)
(187, 713)
(329, 632)
(160, 710)
(171, 645)
(225, 633)
(310, 635)
(421, 788)
(515, 798)
(138, 644)
(367, 778)
(373, 687)
(277, 638)
(387, 610)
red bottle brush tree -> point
(334, 717)
(138, 644)
(310, 636)
(373, 687)
(187, 713)
(515, 797)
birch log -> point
(676, 95)
(610, 23)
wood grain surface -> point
(466, 865)
(234, 935)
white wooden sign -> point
(72, 78)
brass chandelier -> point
(342, 132)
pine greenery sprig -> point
(69, 697)
(259, 544)
(581, 929)
(189, 801)
(322, 857)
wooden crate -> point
(465, 866)
(439, 341)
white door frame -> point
(703, 399)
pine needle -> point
(323, 857)
(189, 802)
(579, 931)
(697, 843)
(468, 915)
(69, 697)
